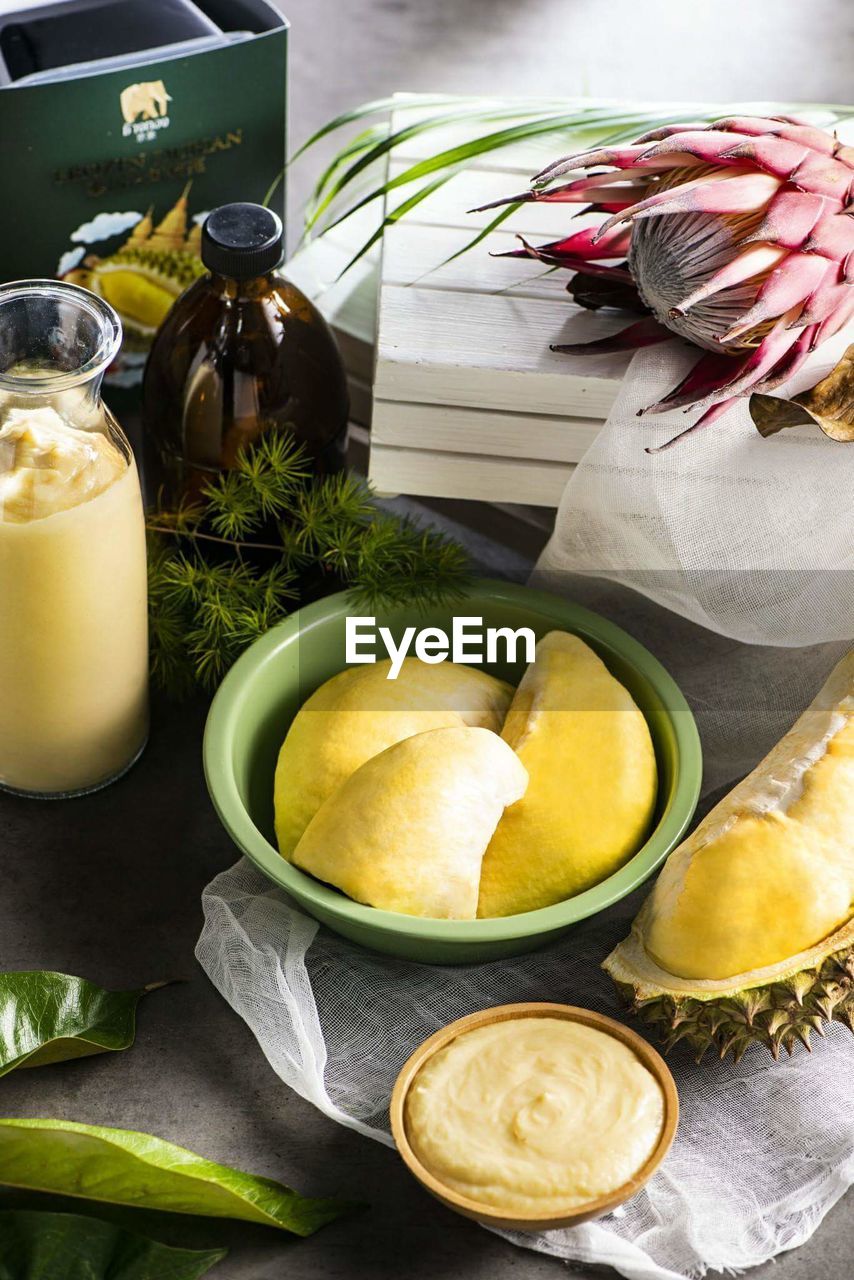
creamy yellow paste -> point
(534, 1115)
(48, 466)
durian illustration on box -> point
(142, 277)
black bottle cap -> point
(242, 241)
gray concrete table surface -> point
(109, 886)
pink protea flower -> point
(738, 236)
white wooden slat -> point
(422, 473)
(411, 257)
(449, 205)
(493, 352)
(466, 389)
(524, 482)
(451, 429)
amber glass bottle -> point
(242, 352)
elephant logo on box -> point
(146, 101)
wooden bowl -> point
(488, 1214)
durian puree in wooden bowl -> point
(534, 1116)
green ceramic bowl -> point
(259, 697)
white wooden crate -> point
(467, 398)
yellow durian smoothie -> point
(73, 622)
(534, 1115)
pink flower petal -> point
(790, 363)
(824, 301)
(833, 237)
(790, 217)
(788, 286)
(752, 261)
(704, 144)
(761, 359)
(708, 419)
(806, 134)
(741, 194)
(712, 372)
(645, 333)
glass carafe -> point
(73, 607)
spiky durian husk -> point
(775, 1007)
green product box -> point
(108, 175)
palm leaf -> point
(394, 215)
(408, 102)
(501, 216)
(383, 147)
(455, 158)
(572, 119)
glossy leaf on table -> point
(50, 1017)
(43, 1246)
(121, 1166)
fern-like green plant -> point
(226, 568)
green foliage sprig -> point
(226, 568)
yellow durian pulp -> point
(408, 829)
(137, 298)
(593, 781)
(770, 871)
(359, 713)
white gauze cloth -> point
(748, 537)
(763, 1150)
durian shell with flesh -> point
(142, 283)
(748, 935)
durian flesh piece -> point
(407, 831)
(143, 283)
(747, 936)
(359, 713)
(590, 800)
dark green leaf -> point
(450, 161)
(368, 138)
(50, 1017)
(120, 1166)
(68, 1246)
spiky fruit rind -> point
(176, 266)
(775, 1007)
